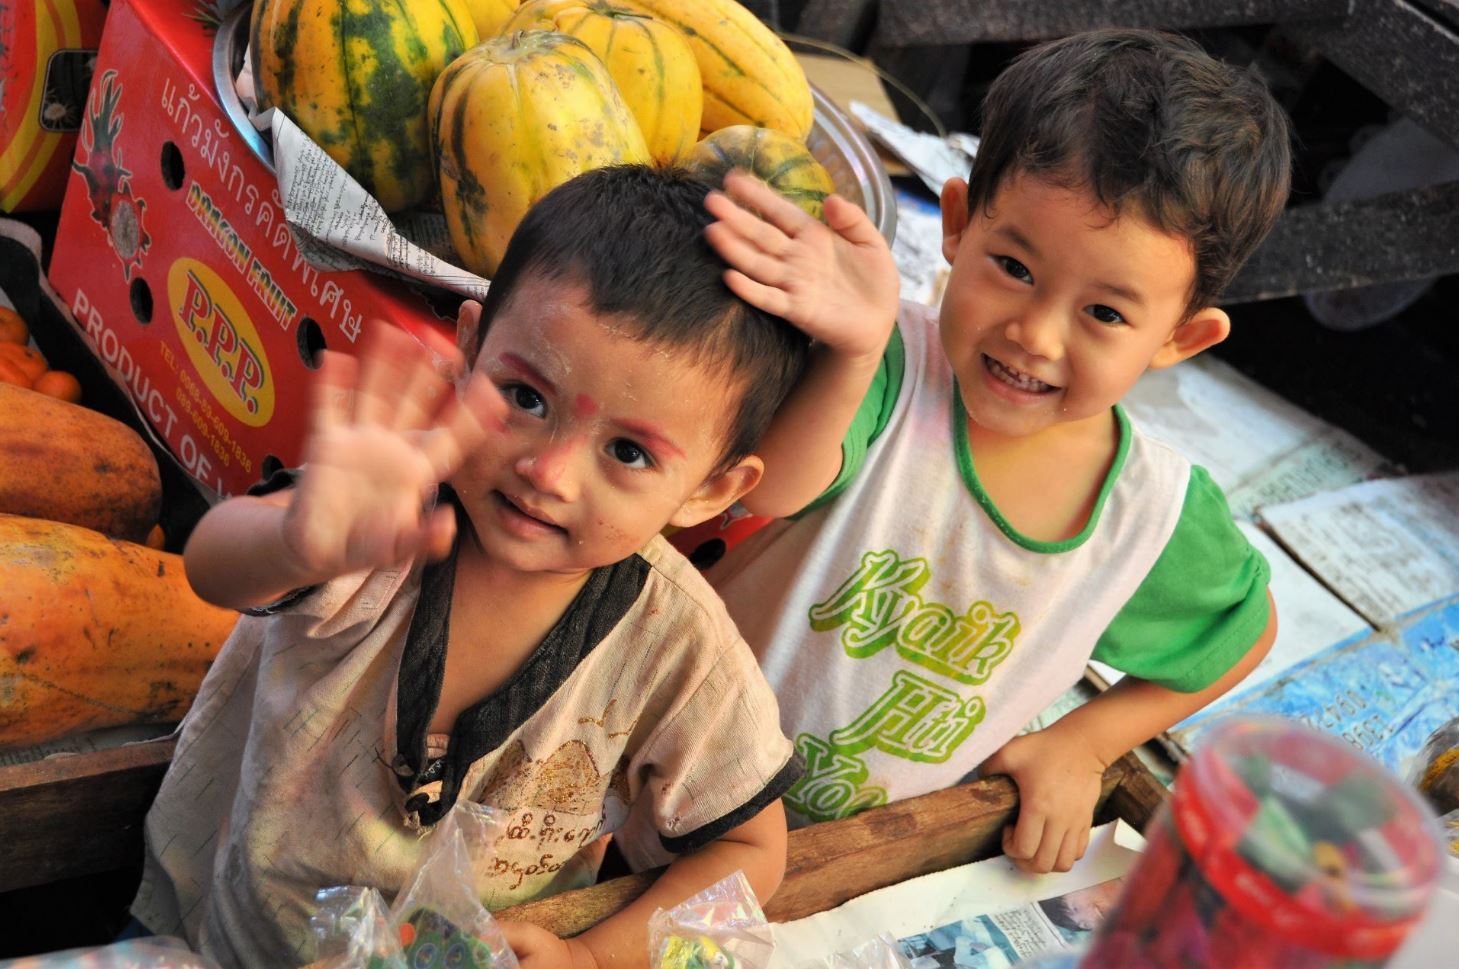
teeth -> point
(1017, 378)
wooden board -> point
(77, 814)
(836, 861)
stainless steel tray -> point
(834, 140)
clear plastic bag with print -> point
(152, 952)
(879, 952)
(722, 927)
(1435, 771)
(438, 912)
(352, 930)
(437, 918)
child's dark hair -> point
(1138, 116)
(633, 236)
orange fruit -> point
(156, 538)
(12, 374)
(12, 327)
(58, 383)
(29, 361)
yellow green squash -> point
(782, 162)
(355, 75)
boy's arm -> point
(1058, 769)
(385, 429)
(621, 941)
(838, 284)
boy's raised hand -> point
(1058, 782)
(835, 281)
(386, 427)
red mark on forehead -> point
(584, 407)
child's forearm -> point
(1135, 710)
(756, 847)
(236, 556)
(802, 450)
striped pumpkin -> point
(784, 163)
(649, 60)
(511, 120)
(750, 76)
(355, 75)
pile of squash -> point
(487, 105)
(97, 629)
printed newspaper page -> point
(1386, 547)
(979, 916)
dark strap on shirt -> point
(599, 606)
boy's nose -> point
(549, 470)
(1038, 331)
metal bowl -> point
(834, 141)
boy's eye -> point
(1014, 268)
(1106, 314)
(524, 398)
(627, 453)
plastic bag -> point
(152, 952)
(722, 927)
(437, 919)
(1435, 771)
(352, 930)
(881, 952)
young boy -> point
(991, 520)
(556, 660)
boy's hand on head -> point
(386, 427)
(835, 281)
(537, 948)
(1059, 780)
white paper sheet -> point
(1260, 448)
(923, 904)
(1386, 547)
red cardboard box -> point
(173, 255)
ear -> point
(954, 216)
(719, 492)
(1202, 331)
(468, 331)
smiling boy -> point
(531, 643)
(991, 519)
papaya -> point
(649, 60)
(62, 462)
(95, 632)
(782, 162)
(512, 119)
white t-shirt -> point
(909, 631)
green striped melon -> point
(781, 161)
(356, 76)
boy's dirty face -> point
(607, 439)
(1054, 308)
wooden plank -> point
(833, 862)
(77, 814)
(915, 23)
(1400, 52)
(1138, 795)
(1340, 245)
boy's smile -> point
(607, 438)
(1054, 309)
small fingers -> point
(1069, 851)
(847, 220)
(748, 225)
(773, 207)
(333, 396)
(384, 362)
(462, 425)
(744, 256)
(1028, 834)
(770, 299)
